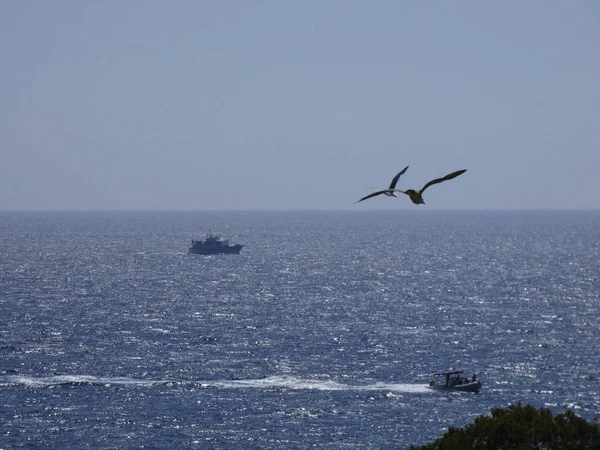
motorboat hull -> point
(466, 387)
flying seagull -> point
(417, 196)
(391, 191)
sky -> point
(298, 105)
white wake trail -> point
(272, 382)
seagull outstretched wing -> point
(374, 194)
(446, 178)
(395, 179)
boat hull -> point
(234, 249)
(467, 387)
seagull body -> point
(416, 196)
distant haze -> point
(298, 105)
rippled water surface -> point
(322, 332)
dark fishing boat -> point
(213, 245)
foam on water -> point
(76, 380)
(290, 382)
(273, 382)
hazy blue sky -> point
(298, 104)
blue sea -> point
(321, 333)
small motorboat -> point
(454, 381)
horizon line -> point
(82, 210)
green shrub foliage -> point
(521, 427)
